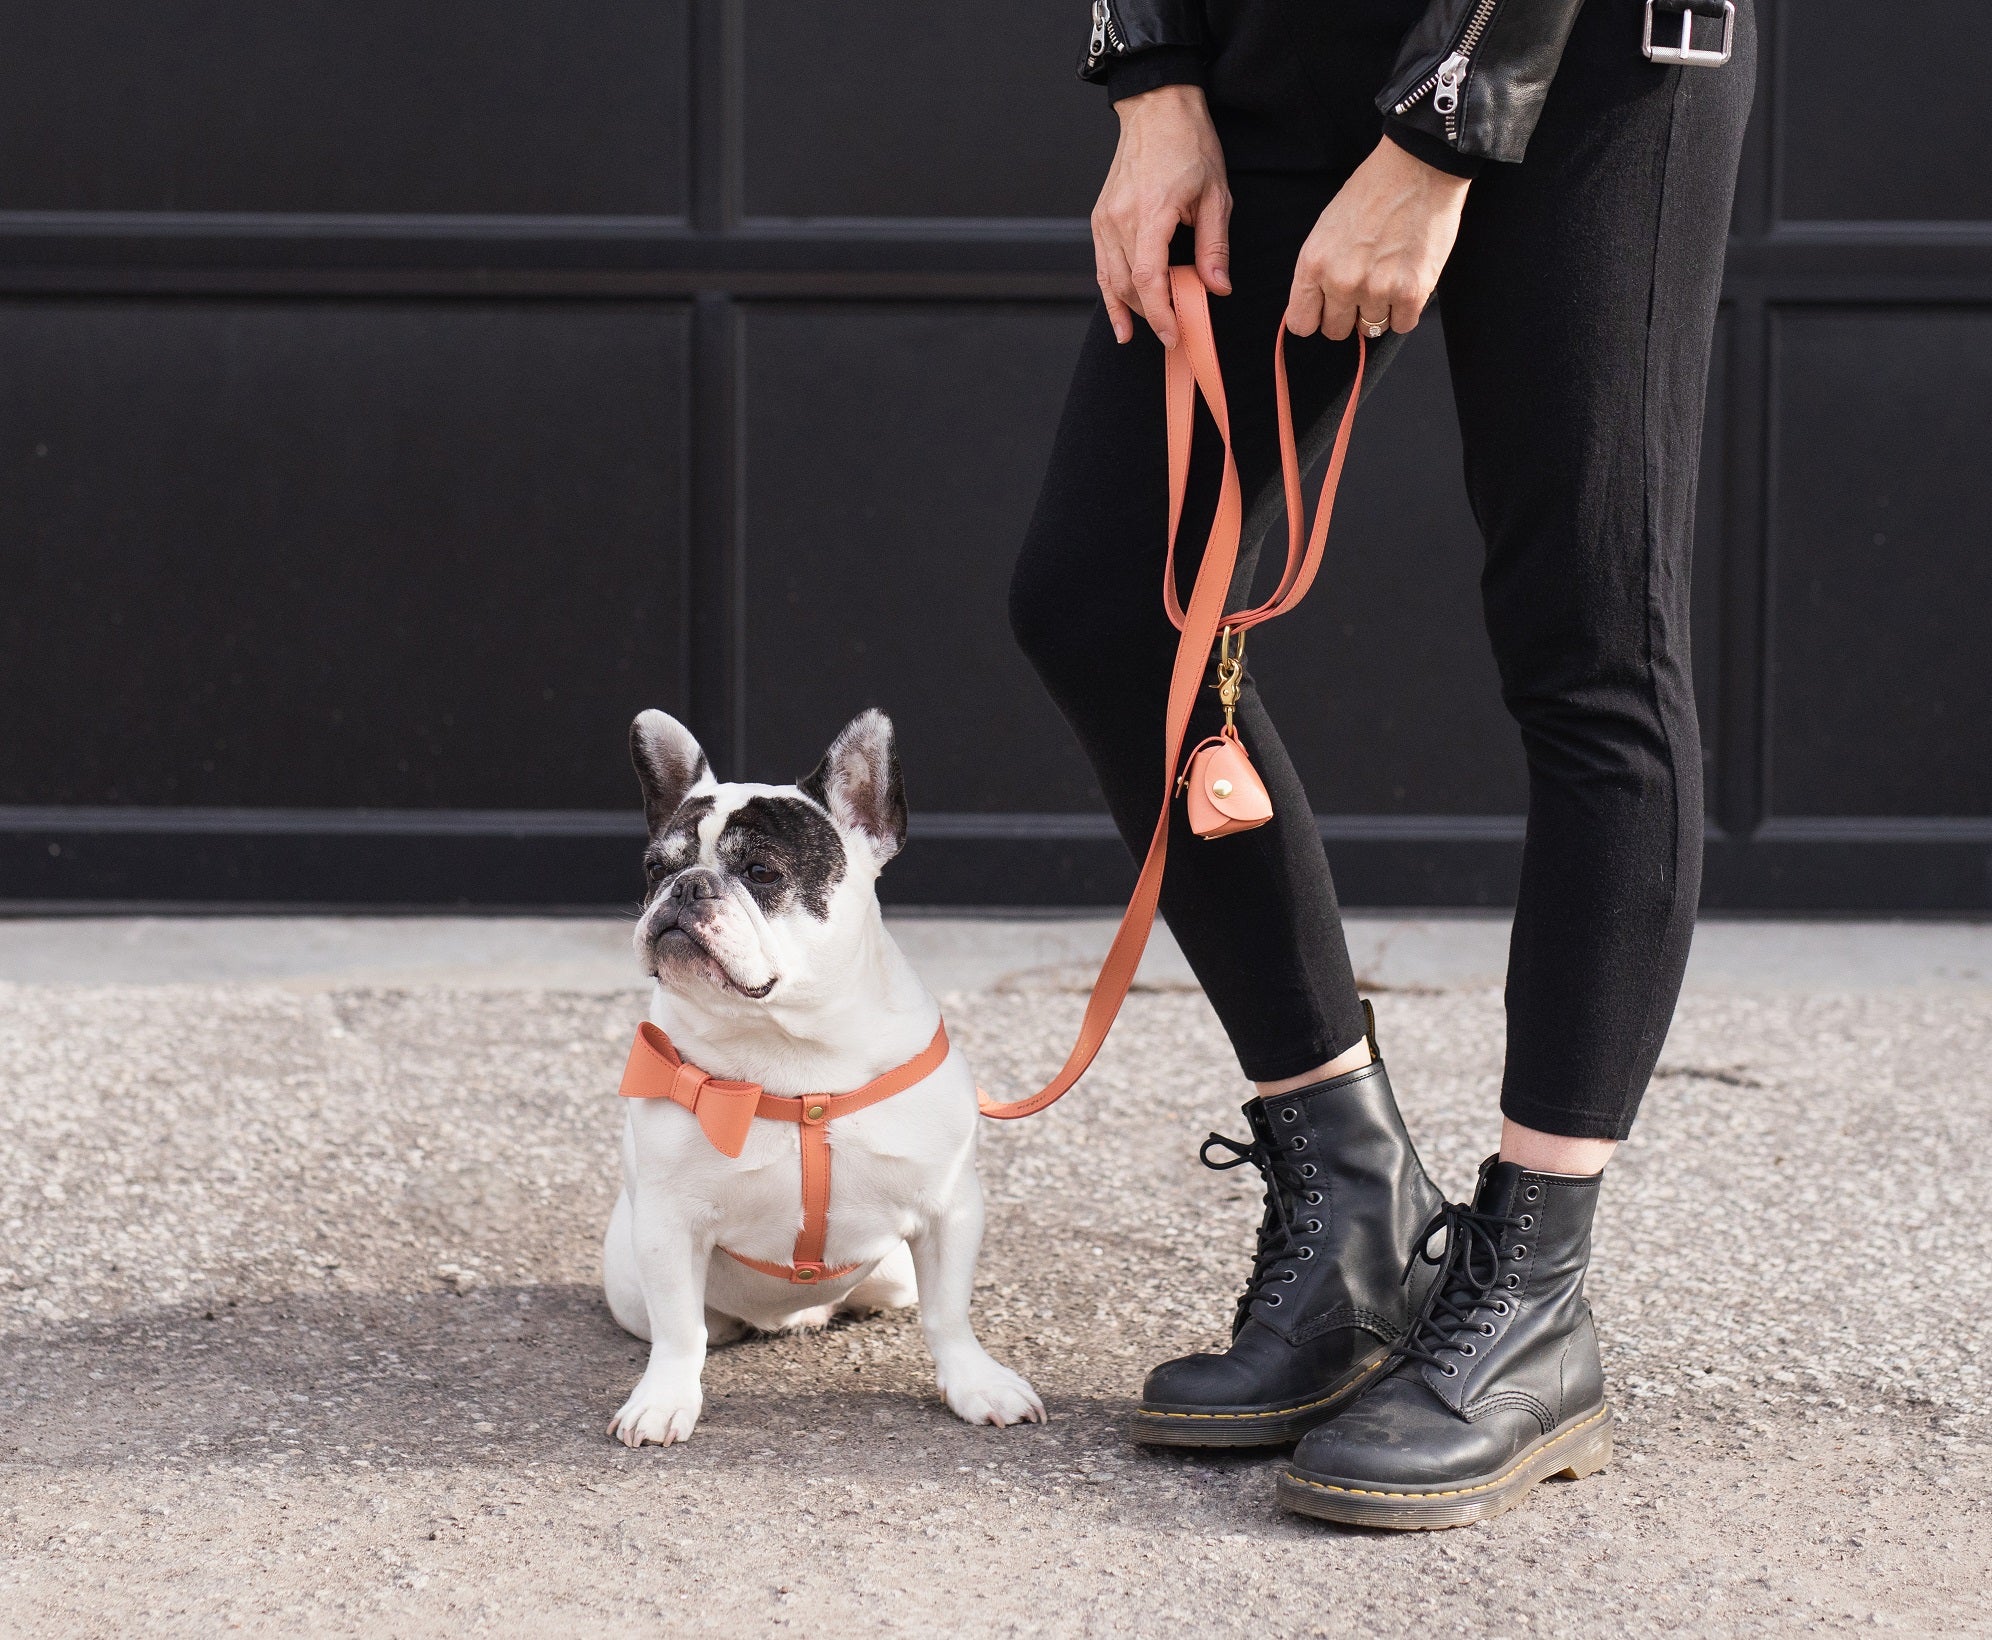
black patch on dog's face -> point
(677, 845)
(786, 851)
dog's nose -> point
(686, 890)
(696, 884)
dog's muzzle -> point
(681, 901)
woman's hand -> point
(1168, 170)
(1379, 248)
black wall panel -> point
(344, 105)
(1882, 112)
(892, 457)
(930, 111)
(393, 399)
(1881, 672)
(349, 554)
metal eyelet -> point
(1532, 1192)
(1450, 1369)
(1467, 1349)
(1305, 1254)
(1297, 1142)
(1528, 1221)
(1518, 1251)
(1487, 1327)
(1289, 1115)
(1314, 1227)
(1512, 1279)
(1272, 1301)
(1312, 1198)
(1307, 1170)
(1501, 1306)
(1290, 1276)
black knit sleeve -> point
(1157, 66)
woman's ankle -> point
(1534, 1151)
(1350, 1059)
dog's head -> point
(762, 892)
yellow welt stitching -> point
(1276, 1412)
(1359, 1492)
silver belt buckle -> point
(1685, 53)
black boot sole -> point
(1579, 1448)
(1157, 1423)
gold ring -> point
(1373, 328)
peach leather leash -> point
(727, 1110)
(1220, 761)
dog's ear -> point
(668, 765)
(858, 782)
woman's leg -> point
(1578, 307)
(1255, 913)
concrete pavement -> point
(301, 1332)
(954, 953)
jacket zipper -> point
(1106, 33)
(1447, 80)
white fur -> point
(844, 1006)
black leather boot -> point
(1346, 1198)
(1497, 1386)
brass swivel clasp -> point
(1230, 670)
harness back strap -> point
(1192, 368)
(726, 1111)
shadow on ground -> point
(497, 1380)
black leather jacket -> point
(1469, 80)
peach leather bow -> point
(656, 1070)
(1192, 368)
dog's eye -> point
(762, 873)
(653, 871)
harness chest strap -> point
(726, 1111)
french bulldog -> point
(762, 930)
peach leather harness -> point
(727, 1110)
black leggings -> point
(1578, 310)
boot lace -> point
(1469, 1286)
(1284, 1223)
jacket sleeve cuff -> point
(1434, 151)
(1157, 66)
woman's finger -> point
(1303, 314)
(1116, 282)
(1347, 292)
(1338, 308)
(1110, 270)
(1213, 226)
(1407, 307)
(1149, 267)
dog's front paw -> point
(656, 1415)
(987, 1392)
